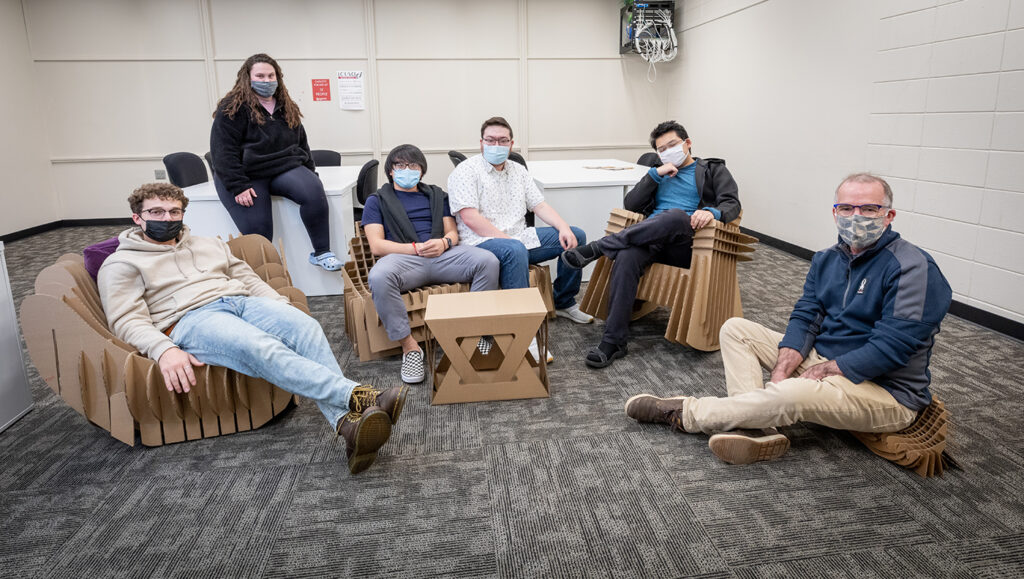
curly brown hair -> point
(242, 94)
(164, 191)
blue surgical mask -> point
(406, 178)
(496, 154)
(264, 88)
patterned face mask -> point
(860, 232)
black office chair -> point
(366, 184)
(649, 160)
(209, 161)
(456, 157)
(185, 169)
(517, 158)
(326, 158)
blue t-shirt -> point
(678, 192)
(417, 206)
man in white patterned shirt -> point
(490, 197)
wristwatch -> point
(448, 240)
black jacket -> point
(715, 186)
(243, 150)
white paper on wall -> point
(350, 90)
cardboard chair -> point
(920, 447)
(363, 325)
(700, 299)
(120, 390)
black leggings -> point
(301, 186)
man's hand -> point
(668, 170)
(567, 238)
(176, 366)
(430, 248)
(245, 197)
(788, 360)
(823, 370)
(701, 218)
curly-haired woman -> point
(259, 149)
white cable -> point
(659, 44)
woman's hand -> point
(245, 197)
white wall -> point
(128, 81)
(947, 123)
(26, 188)
(797, 94)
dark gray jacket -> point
(715, 186)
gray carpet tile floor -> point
(559, 487)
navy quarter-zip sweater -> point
(876, 314)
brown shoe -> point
(747, 446)
(391, 400)
(364, 434)
(650, 408)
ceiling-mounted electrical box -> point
(646, 28)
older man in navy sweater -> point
(854, 356)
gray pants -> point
(396, 273)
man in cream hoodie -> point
(187, 301)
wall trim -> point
(984, 318)
(62, 223)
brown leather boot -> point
(650, 408)
(747, 446)
(391, 400)
(364, 434)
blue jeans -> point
(268, 339)
(516, 259)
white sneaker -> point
(535, 352)
(412, 367)
(573, 313)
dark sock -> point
(608, 348)
(589, 251)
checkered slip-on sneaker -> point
(485, 344)
(412, 367)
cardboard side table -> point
(508, 372)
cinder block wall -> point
(947, 124)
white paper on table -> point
(350, 90)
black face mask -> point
(163, 230)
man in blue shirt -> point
(679, 197)
(410, 228)
(855, 353)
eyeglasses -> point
(504, 141)
(870, 210)
(159, 212)
(403, 166)
(668, 146)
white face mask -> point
(674, 155)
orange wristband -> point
(414, 250)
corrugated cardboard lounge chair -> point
(117, 388)
(363, 325)
(700, 299)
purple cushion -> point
(97, 253)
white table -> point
(584, 196)
(15, 396)
(207, 216)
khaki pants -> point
(834, 401)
